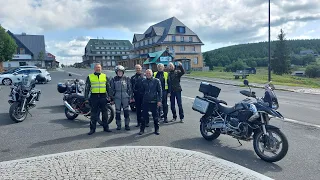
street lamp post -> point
(269, 64)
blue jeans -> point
(176, 96)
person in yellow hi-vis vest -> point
(98, 87)
(165, 86)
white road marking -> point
(285, 119)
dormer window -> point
(181, 29)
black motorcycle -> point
(22, 99)
(76, 104)
(269, 143)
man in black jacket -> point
(174, 79)
(136, 83)
(152, 97)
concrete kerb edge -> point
(189, 152)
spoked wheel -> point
(208, 133)
(70, 115)
(272, 147)
(15, 112)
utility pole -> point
(269, 64)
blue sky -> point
(69, 24)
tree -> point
(280, 62)
(7, 46)
(236, 65)
(40, 59)
(313, 71)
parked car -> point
(12, 70)
(15, 77)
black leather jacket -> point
(151, 89)
(175, 77)
(136, 83)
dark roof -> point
(109, 42)
(17, 40)
(138, 36)
(35, 43)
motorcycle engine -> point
(84, 107)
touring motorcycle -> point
(75, 102)
(269, 143)
(23, 97)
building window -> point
(127, 52)
(144, 43)
(114, 48)
(152, 40)
(98, 52)
(193, 48)
(190, 39)
(22, 51)
(108, 57)
(181, 29)
(195, 60)
(113, 63)
(108, 52)
(123, 52)
(97, 47)
(103, 57)
(181, 38)
(112, 57)
(171, 48)
(153, 49)
(148, 41)
(102, 47)
(182, 48)
(113, 52)
(103, 52)
(173, 38)
(108, 63)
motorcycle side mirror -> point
(246, 82)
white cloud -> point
(220, 22)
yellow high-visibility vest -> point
(98, 84)
(165, 75)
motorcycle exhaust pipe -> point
(217, 125)
(69, 106)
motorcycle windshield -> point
(27, 81)
(271, 97)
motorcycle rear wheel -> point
(204, 132)
(70, 115)
(269, 145)
(14, 109)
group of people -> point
(148, 91)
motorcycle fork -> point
(264, 123)
(23, 105)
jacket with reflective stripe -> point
(98, 84)
(165, 75)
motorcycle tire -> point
(207, 137)
(282, 153)
(68, 115)
(110, 115)
(13, 108)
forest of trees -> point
(256, 54)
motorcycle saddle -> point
(226, 109)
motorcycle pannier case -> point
(204, 106)
(61, 88)
(209, 89)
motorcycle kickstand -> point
(29, 113)
(239, 142)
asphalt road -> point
(48, 131)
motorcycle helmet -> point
(119, 68)
(61, 87)
(40, 78)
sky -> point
(68, 24)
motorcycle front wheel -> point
(272, 147)
(208, 133)
(15, 112)
(110, 112)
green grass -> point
(262, 77)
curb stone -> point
(252, 85)
(155, 161)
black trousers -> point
(164, 106)
(138, 102)
(98, 104)
(145, 110)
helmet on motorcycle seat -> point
(119, 68)
(40, 78)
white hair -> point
(160, 65)
(170, 64)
